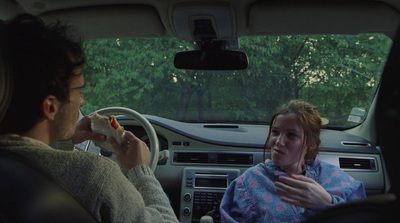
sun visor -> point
(112, 21)
(325, 17)
(197, 21)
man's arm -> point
(151, 203)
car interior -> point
(196, 161)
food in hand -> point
(107, 126)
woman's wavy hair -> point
(310, 121)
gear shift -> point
(206, 219)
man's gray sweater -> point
(98, 182)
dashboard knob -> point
(186, 211)
(187, 197)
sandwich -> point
(107, 126)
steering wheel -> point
(151, 133)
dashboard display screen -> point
(207, 182)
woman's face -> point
(287, 147)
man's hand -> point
(131, 152)
(302, 191)
(84, 131)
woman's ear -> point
(50, 106)
(312, 147)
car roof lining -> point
(326, 17)
(152, 18)
(104, 21)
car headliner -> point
(163, 18)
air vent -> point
(239, 159)
(222, 126)
(346, 143)
(357, 163)
(214, 158)
(191, 157)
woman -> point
(292, 184)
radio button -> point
(186, 211)
(187, 197)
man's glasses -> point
(86, 90)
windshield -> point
(337, 73)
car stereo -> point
(202, 191)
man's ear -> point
(50, 106)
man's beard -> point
(62, 127)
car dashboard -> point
(198, 161)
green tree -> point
(334, 72)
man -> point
(46, 66)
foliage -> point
(334, 72)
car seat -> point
(27, 194)
(5, 79)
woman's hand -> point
(302, 191)
(131, 152)
(83, 131)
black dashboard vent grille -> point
(183, 157)
(214, 158)
(357, 163)
(362, 144)
(238, 159)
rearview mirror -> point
(211, 60)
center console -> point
(202, 191)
